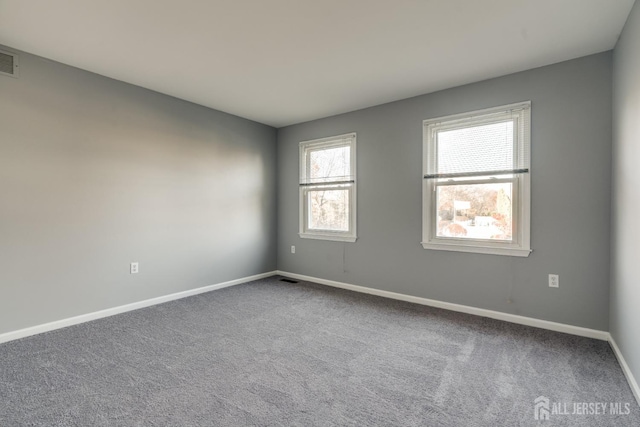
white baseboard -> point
(513, 318)
(625, 369)
(63, 323)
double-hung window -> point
(476, 186)
(328, 188)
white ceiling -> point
(281, 62)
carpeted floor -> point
(271, 353)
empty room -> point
(319, 213)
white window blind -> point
(486, 145)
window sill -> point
(335, 238)
(518, 252)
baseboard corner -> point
(633, 384)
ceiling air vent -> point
(8, 64)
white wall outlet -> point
(134, 268)
(554, 281)
(293, 249)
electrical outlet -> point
(134, 268)
(293, 249)
(554, 281)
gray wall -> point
(625, 243)
(571, 169)
(95, 173)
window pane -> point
(329, 210)
(330, 164)
(475, 149)
(475, 211)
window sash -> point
(308, 147)
(307, 212)
(518, 113)
(515, 207)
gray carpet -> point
(274, 353)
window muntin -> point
(328, 188)
(476, 181)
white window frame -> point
(521, 203)
(346, 140)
